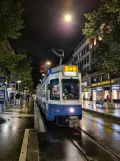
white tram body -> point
(59, 94)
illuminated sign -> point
(102, 83)
(70, 70)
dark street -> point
(11, 135)
(65, 144)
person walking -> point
(18, 96)
(27, 97)
(12, 98)
(107, 98)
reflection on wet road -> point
(57, 144)
(11, 136)
(109, 137)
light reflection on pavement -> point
(11, 136)
(92, 106)
(93, 125)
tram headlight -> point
(71, 110)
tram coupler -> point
(74, 121)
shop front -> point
(100, 90)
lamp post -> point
(43, 74)
(48, 63)
(18, 84)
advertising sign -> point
(2, 96)
(43, 67)
(13, 86)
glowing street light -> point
(48, 63)
(43, 74)
(68, 18)
(18, 84)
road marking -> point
(23, 153)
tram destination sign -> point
(70, 70)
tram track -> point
(118, 132)
(108, 150)
(82, 152)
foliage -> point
(10, 19)
(8, 59)
(22, 71)
(108, 57)
(104, 22)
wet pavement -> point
(11, 135)
(104, 130)
(65, 144)
(91, 105)
(2, 120)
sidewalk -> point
(90, 106)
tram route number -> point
(70, 69)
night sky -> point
(45, 28)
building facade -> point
(94, 83)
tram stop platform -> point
(92, 107)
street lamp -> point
(67, 18)
(18, 84)
(48, 63)
(43, 74)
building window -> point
(80, 54)
(88, 59)
(105, 77)
(87, 47)
(84, 50)
(87, 68)
(95, 40)
(84, 60)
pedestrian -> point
(91, 98)
(107, 98)
(84, 97)
(18, 96)
(11, 98)
(27, 97)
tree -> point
(22, 70)
(8, 59)
(11, 22)
(105, 23)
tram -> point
(59, 95)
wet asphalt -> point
(104, 130)
(11, 135)
(65, 144)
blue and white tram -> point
(59, 95)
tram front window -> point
(70, 89)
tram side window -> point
(43, 91)
(55, 89)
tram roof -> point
(55, 70)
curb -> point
(23, 153)
(29, 150)
(35, 118)
(32, 151)
(115, 118)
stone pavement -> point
(90, 106)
